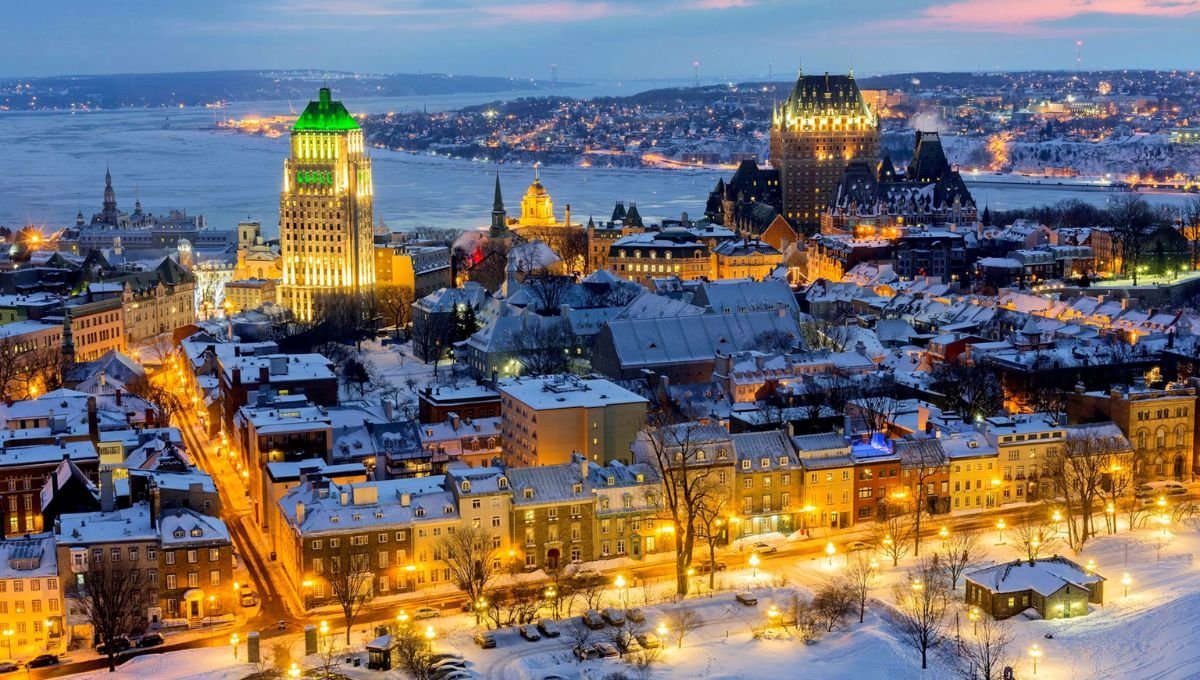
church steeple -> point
(499, 227)
(108, 215)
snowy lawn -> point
(206, 663)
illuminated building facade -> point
(537, 209)
(325, 210)
(822, 126)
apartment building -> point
(768, 485)
(31, 595)
(828, 480)
(554, 512)
(1023, 443)
(975, 482)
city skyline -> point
(613, 39)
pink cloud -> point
(520, 11)
(1020, 16)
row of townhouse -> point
(534, 518)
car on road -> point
(8, 666)
(1155, 489)
(857, 545)
(606, 650)
(764, 548)
(249, 599)
(42, 660)
(530, 633)
(548, 628)
(487, 639)
(151, 640)
(118, 644)
(613, 617)
(747, 599)
(635, 615)
(426, 613)
(592, 619)
(707, 567)
(583, 574)
(649, 641)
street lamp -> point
(294, 671)
(307, 586)
(1000, 528)
(874, 564)
(1126, 581)
(830, 551)
(1035, 653)
(233, 642)
(620, 584)
(772, 615)
(429, 636)
(754, 565)
(1057, 517)
(973, 615)
(8, 633)
(944, 533)
(1091, 567)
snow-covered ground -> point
(1153, 633)
(205, 663)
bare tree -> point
(892, 533)
(1078, 472)
(350, 578)
(861, 577)
(548, 291)
(109, 600)
(395, 305)
(972, 391)
(689, 477)
(643, 662)
(921, 608)
(1129, 220)
(1036, 532)
(959, 551)
(711, 523)
(471, 557)
(877, 412)
(542, 345)
(803, 615)
(157, 395)
(413, 653)
(682, 622)
(921, 462)
(579, 635)
(591, 589)
(833, 602)
(824, 334)
(985, 654)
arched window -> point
(1141, 439)
(1160, 438)
(1180, 436)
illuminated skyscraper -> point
(823, 125)
(325, 210)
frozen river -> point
(54, 163)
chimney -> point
(117, 396)
(344, 498)
(264, 375)
(455, 421)
(299, 512)
(155, 504)
(93, 420)
(237, 377)
(108, 495)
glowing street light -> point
(1057, 517)
(944, 533)
(1126, 581)
(619, 582)
(429, 636)
(973, 615)
(1035, 653)
(1091, 567)
(233, 642)
(754, 561)
(294, 671)
(1000, 528)
(773, 615)
(830, 551)
(402, 618)
(917, 586)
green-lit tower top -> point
(325, 115)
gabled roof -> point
(1044, 576)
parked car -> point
(249, 599)
(1155, 489)
(764, 548)
(606, 650)
(635, 615)
(486, 640)
(548, 628)
(426, 613)
(457, 674)
(649, 641)
(442, 656)
(529, 633)
(613, 617)
(586, 652)
(707, 567)
(118, 645)
(42, 660)
(151, 640)
(857, 545)
(446, 664)
(747, 599)
(587, 574)
(592, 619)
(8, 666)
(553, 677)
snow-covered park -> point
(1152, 632)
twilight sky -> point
(594, 38)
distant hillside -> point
(154, 90)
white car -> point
(764, 548)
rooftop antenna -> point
(696, 71)
(554, 74)
(1078, 55)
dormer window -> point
(419, 512)
(502, 482)
(334, 519)
(611, 480)
(447, 509)
(577, 488)
(765, 462)
(528, 493)
(465, 486)
(178, 533)
(783, 461)
(701, 455)
(641, 477)
(745, 465)
(356, 517)
(197, 532)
